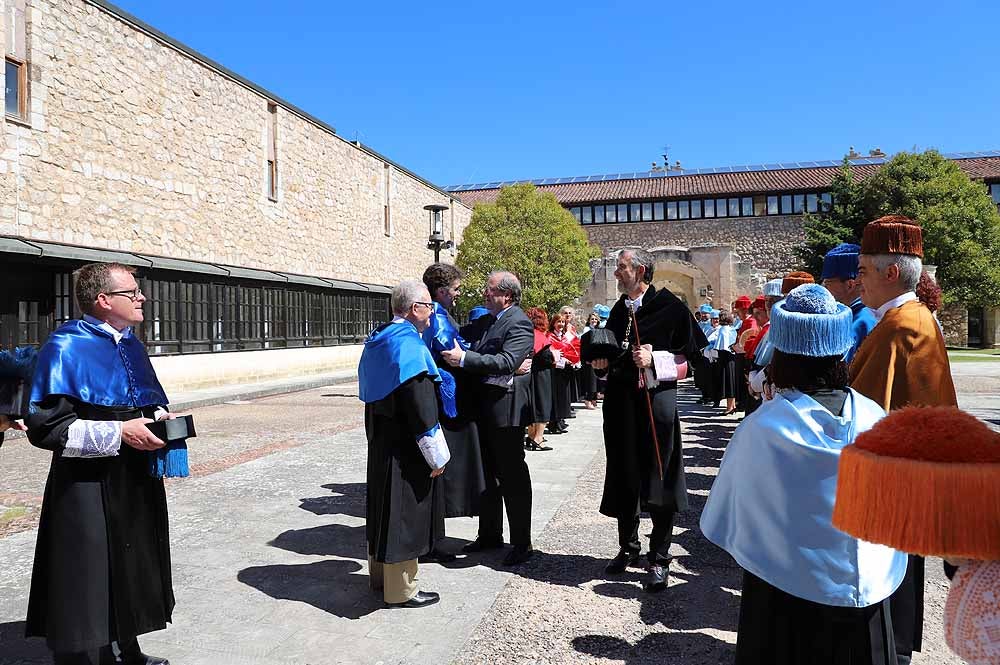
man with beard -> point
(653, 326)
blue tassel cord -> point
(171, 461)
(447, 389)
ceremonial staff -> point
(645, 387)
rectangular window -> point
(576, 213)
(826, 202)
(63, 298)
(598, 214)
(658, 211)
(16, 70)
(995, 192)
(696, 209)
(812, 202)
(671, 209)
(786, 204)
(634, 212)
(683, 209)
(15, 89)
(734, 207)
(746, 206)
(798, 203)
(709, 207)
(622, 212)
(760, 206)
(28, 322)
(772, 205)
(588, 214)
(610, 214)
(387, 199)
(272, 152)
(647, 212)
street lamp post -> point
(436, 239)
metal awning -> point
(89, 255)
(183, 265)
(15, 246)
(377, 288)
(341, 284)
(305, 279)
(253, 273)
(38, 248)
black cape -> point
(405, 513)
(632, 471)
(463, 482)
(102, 559)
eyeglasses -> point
(131, 294)
(428, 305)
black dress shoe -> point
(622, 560)
(478, 545)
(419, 599)
(436, 556)
(656, 578)
(518, 555)
(142, 659)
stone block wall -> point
(767, 244)
(133, 144)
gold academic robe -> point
(903, 361)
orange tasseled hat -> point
(796, 278)
(893, 234)
(923, 480)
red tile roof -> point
(716, 184)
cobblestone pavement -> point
(268, 548)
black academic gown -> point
(405, 516)
(632, 469)
(102, 559)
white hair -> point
(507, 282)
(909, 265)
(405, 294)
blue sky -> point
(477, 92)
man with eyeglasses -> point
(407, 450)
(101, 574)
(500, 347)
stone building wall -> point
(133, 144)
(767, 244)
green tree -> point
(528, 233)
(828, 229)
(960, 222)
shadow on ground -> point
(707, 572)
(16, 649)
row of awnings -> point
(42, 249)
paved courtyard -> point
(269, 552)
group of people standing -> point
(812, 478)
(558, 376)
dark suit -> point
(499, 346)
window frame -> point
(22, 89)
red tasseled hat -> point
(743, 302)
(893, 234)
(759, 303)
(923, 480)
(796, 278)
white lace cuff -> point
(665, 366)
(93, 438)
(434, 448)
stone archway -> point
(687, 281)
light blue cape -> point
(723, 338)
(772, 503)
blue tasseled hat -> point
(602, 311)
(810, 322)
(715, 313)
(706, 308)
(772, 289)
(841, 262)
